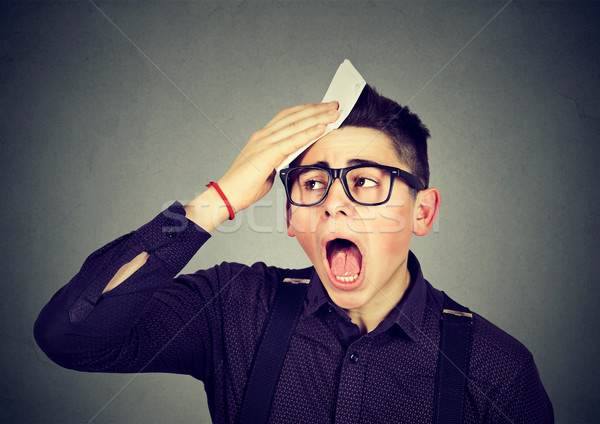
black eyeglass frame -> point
(410, 179)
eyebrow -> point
(351, 162)
(354, 162)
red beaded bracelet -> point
(229, 208)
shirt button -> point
(171, 234)
(354, 358)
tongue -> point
(344, 259)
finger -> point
(302, 113)
(300, 121)
(289, 111)
(300, 126)
(299, 112)
(300, 139)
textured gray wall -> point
(96, 141)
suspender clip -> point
(457, 313)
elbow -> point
(71, 345)
(49, 338)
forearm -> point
(207, 210)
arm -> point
(251, 175)
(207, 210)
(87, 328)
(124, 311)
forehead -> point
(347, 143)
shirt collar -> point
(316, 295)
(412, 305)
(408, 314)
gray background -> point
(96, 141)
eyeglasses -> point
(368, 185)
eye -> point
(313, 185)
(311, 179)
(363, 182)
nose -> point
(337, 201)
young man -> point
(365, 348)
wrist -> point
(223, 197)
(208, 210)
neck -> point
(368, 317)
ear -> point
(288, 218)
(427, 205)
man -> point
(365, 348)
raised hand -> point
(251, 176)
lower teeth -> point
(347, 279)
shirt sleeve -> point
(131, 328)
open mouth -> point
(345, 260)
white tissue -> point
(345, 88)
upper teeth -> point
(347, 279)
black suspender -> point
(278, 329)
(453, 362)
(280, 324)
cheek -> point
(393, 245)
(391, 233)
(393, 220)
(303, 220)
(309, 245)
(302, 223)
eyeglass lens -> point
(368, 185)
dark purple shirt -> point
(207, 325)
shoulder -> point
(494, 354)
(503, 376)
(232, 281)
(498, 359)
(491, 344)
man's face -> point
(380, 235)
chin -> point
(344, 295)
(349, 302)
